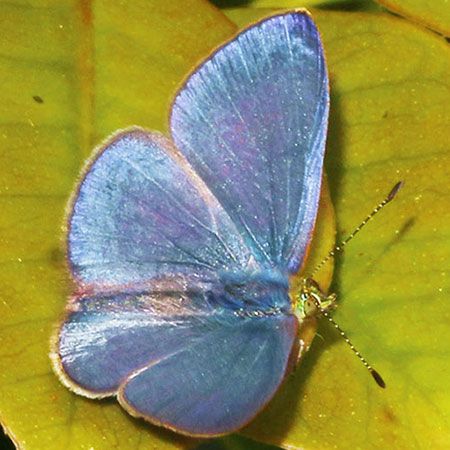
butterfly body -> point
(182, 247)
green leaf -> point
(351, 5)
(390, 118)
(280, 3)
(70, 75)
(433, 14)
(234, 442)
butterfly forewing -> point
(140, 213)
(259, 108)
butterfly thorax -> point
(311, 300)
(256, 293)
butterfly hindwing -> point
(252, 122)
(217, 384)
(186, 357)
(107, 336)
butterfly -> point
(181, 247)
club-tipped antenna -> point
(339, 247)
(376, 376)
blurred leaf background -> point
(73, 71)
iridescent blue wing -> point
(217, 384)
(179, 356)
(252, 122)
(140, 211)
(107, 336)
(168, 316)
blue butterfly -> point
(182, 247)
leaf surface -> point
(431, 14)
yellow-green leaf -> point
(390, 118)
(70, 75)
(284, 3)
(434, 14)
(249, 5)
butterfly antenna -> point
(339, 247)
(376, 376)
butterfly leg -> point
(306, 333)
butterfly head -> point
(311, 300)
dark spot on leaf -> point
(388, 415)
(56, 255)
(38, 99)
(385, 115)
(404, 230)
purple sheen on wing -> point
(107, 336)
(218, 383)
(252, 122)
(141, 212)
